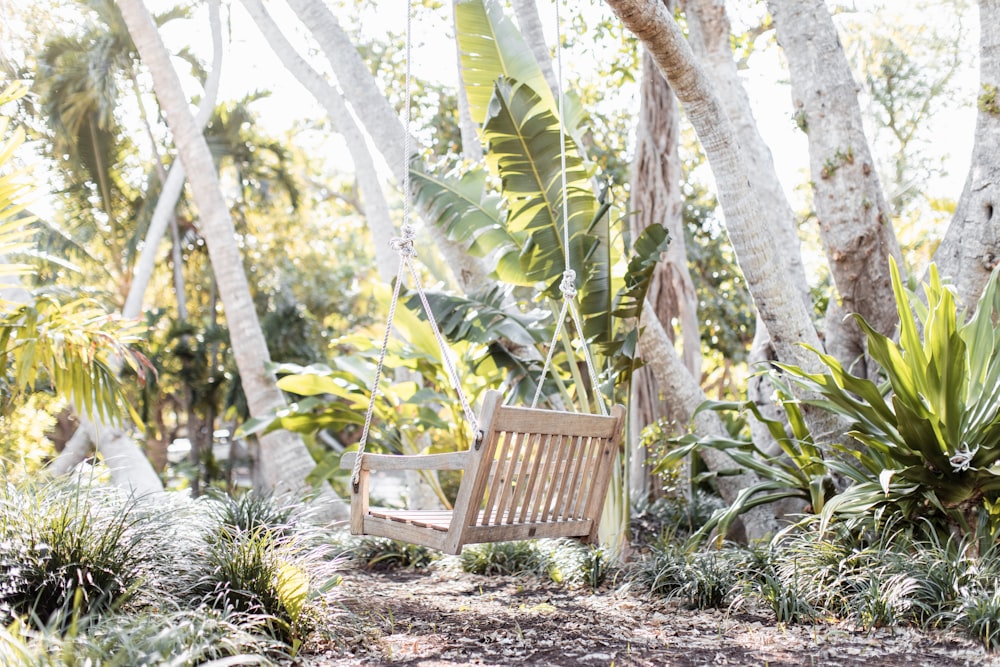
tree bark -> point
(970, 249)
(375, 207)
(683, 395)
(163, 212)
(656, 199)
(710, 36)
(530, 25)
(855, 223)
(284, 460)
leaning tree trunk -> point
(375, 207)
(142, 272)
(709, 33)
(656, 199)
(381, 122)
(970, 249)
(683, 395)
(855, 223)
(284, 459)
(766, 271)
(530, 25)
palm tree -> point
(284, 460)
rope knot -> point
(568, 284)
(403, 244)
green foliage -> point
(68, 551)
(929, 438)
(74, 345)
(988, 101)
(379, 553)
(504, 559)
(701, 579)
(257, 561)
(799, 470)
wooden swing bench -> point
(533, 474)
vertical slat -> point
(559, 455)
(548, 456)
(578, 481)
(531, 491)
(608, 448)
(491, 485)
(567, 479)
(587, 482)
(506, 481)
(522, 478)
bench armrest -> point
(449, 461)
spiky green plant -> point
(927, 441)
(256, 560)
(68, 550)
(504, 558)
(379, 553)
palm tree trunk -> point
(381, 122)
(376, 209)
(284, 460)
(163, 214)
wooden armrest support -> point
(449, 461)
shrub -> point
(257, 560)
(379, 553)
(69, 550)
(504, 558)
(702, 579)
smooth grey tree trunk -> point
(750, 229)
(375, 207)
(855, 223)
(970, 249)
(683, 395)
(284, 460)
(381, 123)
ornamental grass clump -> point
(69, 551)
(262, 560)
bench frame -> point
(534, 473)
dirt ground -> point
(436, 618)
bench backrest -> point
(538, 466)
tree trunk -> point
(683, 396)
(855, 223)
(376, 209)
(656, 199)
(530, 25)
(163, 213)
(970, 249)
(284, 460)
(709, 33)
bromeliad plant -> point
(930, 434)
(798, 470)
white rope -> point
(356, 470)
(568, 285)
(404, 246)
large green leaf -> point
(525, 149)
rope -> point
(568, 284)
(404, 246)
(356, 470)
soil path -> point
(441, 618)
